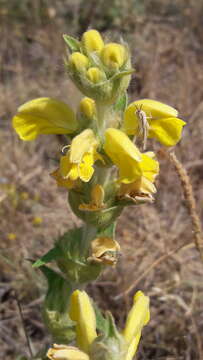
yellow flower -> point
(92, 41)
(87, 107)
(44, 116)
(114, 55)
(162, 122)
(63, 352)
(97, 198)
(82, 312)
(37, 220)
(137, 318)
(131, 163)
(78, 61)
(79, 160)
(104, 250)
(95, 75)
(11, 236)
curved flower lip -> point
(96, 203)
(104, 250)
(80, 158)
(64, 352)
(44, 116)
(161, 118)
(85, 142)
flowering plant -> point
(104, 167)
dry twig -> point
(190, 201)
(148, 270)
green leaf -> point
(73, 44)
(59, 290)
(51, 255)
(122, 103)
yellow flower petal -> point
(137, 317)
(162, 120)
(83, 143)
(149, 167)
(167, 131)
(85, 172)
(81, 311)
(124, 154)
(133, 347)
(44, 116)
(118, 144)
(65, 165)
(63, 352)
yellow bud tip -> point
(87, 107)
(79, 61)
(114, 55)
(92, 41)
(95, 75)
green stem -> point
(89, 233)
(102, 117)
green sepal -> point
(122, 103)
(51, 255)
(122, 73)
(100, 219)
(73, 44)
(110, 344)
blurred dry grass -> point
(166, 42)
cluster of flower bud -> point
(100, 70)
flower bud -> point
(78, 61)
(87, 107)
(95, 75)
(114, 56)
(92, 41)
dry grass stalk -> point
(190, 201)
